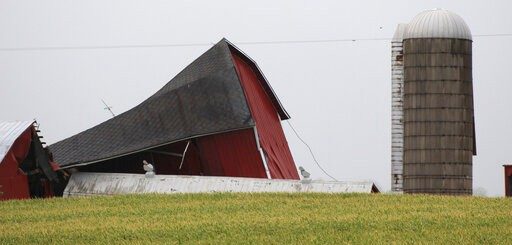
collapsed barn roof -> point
(9, 132)
(205, 98)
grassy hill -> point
(257, 218)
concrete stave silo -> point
(438, 116)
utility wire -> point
(182, 45)
(104, 47)
(494, 35)
(50, 48)
(310, 150)
(312, 41)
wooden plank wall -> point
(438, 116)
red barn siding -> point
(13, 182)
(272, 139)
(508, 180)
(232, 153)
(171, 164)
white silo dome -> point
(437, 23)
(399, 33)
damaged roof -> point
(87, 184)
(205, 98)
(9, 133)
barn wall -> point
(272, 139)
(232, 153)
(508, 180)
(13, 182)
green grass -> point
(258, 219)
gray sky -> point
(338, 94)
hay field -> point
(257, 219)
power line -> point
(310, 151)
(183, 45)
(50, 48)
(494, 35)
(104, 47)
(312, 41)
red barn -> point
(217, 117)
(25, 166)
(508, 180)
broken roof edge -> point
(79, 164)
(10, 131)
(283, 114)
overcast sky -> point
(338, 93)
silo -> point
(438, 116)
(397, 94)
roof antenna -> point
(109, 108)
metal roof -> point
(437, 23)
(205, 98)
(9, 132)
(84, 184)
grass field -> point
(257, 218)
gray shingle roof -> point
(205, 98)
